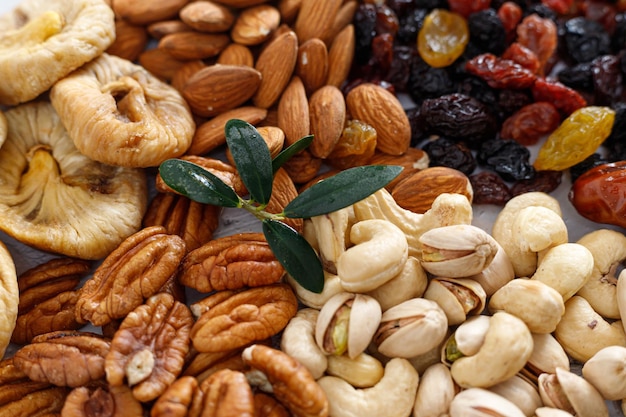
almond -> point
(160, 29)
(303, 167)
(180, 78)
(194, 45)
(236, 54)
(207, 16)
(141, 12)
(344, 18)
(327, 110)
(293, 111)
(312, 64)
(130, 40)
(276, 64)
(210, 134)
(383, 111)
(289, 10)
(255, 25)
(418, 191)
(274, 139)
(240, 4)
(340, 56)
(160, 63)
(315, 19)
(412, 160)
(218, 88)
(283, 191)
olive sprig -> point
(257, 169)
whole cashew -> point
(379, 254)
(393, 396)
(298, 341)
(332, 233)
(411, 282)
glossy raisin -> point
(442, 38)
(386, 20)
(467, 7)
(540, 35)
(541, 10)
(355, 147)
(400, 68)
(565, 99)
(506, 157)
(487, 31)
(410, 24)
(428, 82)
(479, 89)
(510, 101)
(500, 73)
(543, 181)
(489, 188)
(531, 123)
(419, 127)
(382, 52)
(577, 76)
(364, 21)
(618, 37)
(559, 6)
(450, 153)
(585, 39)
(591, 161)
(616, 142)
(522, 55)
(459, 116)
(607, 80)
(510, 13)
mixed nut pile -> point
(142, 310)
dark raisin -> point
(386, 20)
(410, 25)
(616, 141)
(580, 168)
(460, 117)
(577, 76)
(489, 188)
(541, 10)
(487, 31)
(618, 37)
(400, 69)
(418, 125)
(506, 157)
(543, 181)
(364, 31)
(607, 79)
(510, 101)
(431, 4)
(382, 53)
(450, 153)
(428, 82)
(585, 39)
(479, 89)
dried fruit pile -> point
(421, 312)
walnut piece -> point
(148, 350)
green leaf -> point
(295, 255)
(197, 183)
(252, 159)
(341, 190)
(290, 151)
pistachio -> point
(548, 354)
(606, 371)
(362, 371)
(410, 283)
(480, 402)
(572, 393)
(411, 328)
(551, 412)
(347, 323)
(520, 392)
(332, 233)
(466, 340)
(496, 274)
(435, 392)
(457, 251)
(458, 298)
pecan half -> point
(65, 359)
(231, 262)
(225, 393)
(247, 316)
(292, 383)
(177, 399)
(267, 406)
(133, 272)
(102, 401)
(194, 222)
(148, 351)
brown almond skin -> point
(327, 110)
(312, 64)
(130, 40)
(254, 25)
(315, 18)
(141, 12)
(207, 16)
(340, 56)
(193, 44)
(236, 54)
(383, 111)
(218, 88)
(293, 111)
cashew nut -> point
(496, 274)
(411, 282)
(393, 396)
(298, 341)
(332, 233)
(379, 254)
(363, 371)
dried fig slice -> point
(9, 297)
(41, 41)
(117, 113)
(56, 199)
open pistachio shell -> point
(457, 251)
(566, 268)
(435, 392)
(537, 304)
(551, 412)
(478, 402)
(458, 297)
(411, 328)
(582, 332)
(499, 272)
(520, 392)
(608, 248)
(567, 391)
(410, 283)
(606, 370)
(347, 322)
(548, 354)
(506, 348)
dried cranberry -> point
(450, 153)
(489, 188)
(508, 158)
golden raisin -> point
(355, 147)
(442, 38)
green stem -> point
(259, 212)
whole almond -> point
(327, 111)
(315, 19)
(344, 18)
(166, 27)
(383, 111)
(276, 64)
(180, 78)
(236, 54)
(207, 16)
(303, 167)
(194, 45)
(289, 10)
(312, 64)
(340, 56)
(418, 191)
(255, 24)
(274, 139)
(293, 111)
(160, 63)
(218, 88)
(141, 12)
(130, 40)
(240, 4)
(210, 134)
(413, 160)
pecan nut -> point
(177, 399)
(132, 273)
(108, 401)
(148, 350)
(231, 262)
(267, 406)
(246, 316)
(226, 393)
(65, 359)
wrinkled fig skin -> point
(387, 398)
(479, 402)
(298, 341)
(492, 363)
(608, 248)
(567, 391)
(606, 371)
